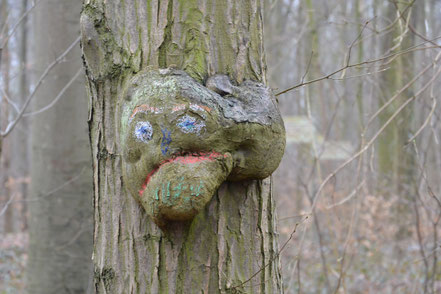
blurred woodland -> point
(358, 191)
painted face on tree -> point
(182, 140)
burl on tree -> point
(182, 139)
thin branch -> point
(348, 57)
(58, 96)
(371, 141)
(425, 122)
(12, 124)
(9, 100)
(349, 197)
(307, 67)
(415, 78)
(276, 256)
(328, 76)
(360, 75)
(56, 189)
(78, 234)
(7, 204)
(411, 28)
(17, 24)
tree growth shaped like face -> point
(182, 139)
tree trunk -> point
(19, 139)
(231, 245)
(60, 227)
(5, 162)
(396, 163)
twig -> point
(56, 189)
(60, 94)
(348, 57)
(307, 67)
(359, 76)
(16, 25)
(425, 122)
(415, 78)
(371, 141)
(328, 76)
(7, 204)
(12, 124)
(271, 260)
(9, 100)
(411, 28)
(346, 199)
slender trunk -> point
(395, 162)
(231, 245)
(360, 57)
(19, 139)
(5, 163)
(60, 226)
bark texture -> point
(231, 246)
(6, 220)
(19, 139)
(60, 226)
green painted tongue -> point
(179, 189)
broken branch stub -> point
(182, 140)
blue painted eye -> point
(143, 131)
(189, 124)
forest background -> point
(358, 190)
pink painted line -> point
(188, 159)
(191, 106)
(178, 107)
(144, 108)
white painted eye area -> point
(143, 131)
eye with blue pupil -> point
(143, 131)
(189, 124)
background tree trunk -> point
(5, 162)
(19, 139)
(394, 160)
(232, 244)
(60, 207)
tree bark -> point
(394, 161)
(19, 139)
(60, 226)
(5, 162)
(230, 246)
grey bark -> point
(231, 246)
(19, 139)
(5, 150)
(61, 187)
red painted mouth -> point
(183, 159)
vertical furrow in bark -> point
(130, 24)
(221, 248)
(252, 246)
(145, 23)
(262, 225)
(274, 271)
(262, 230)
(129, 258)
(154, 281)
